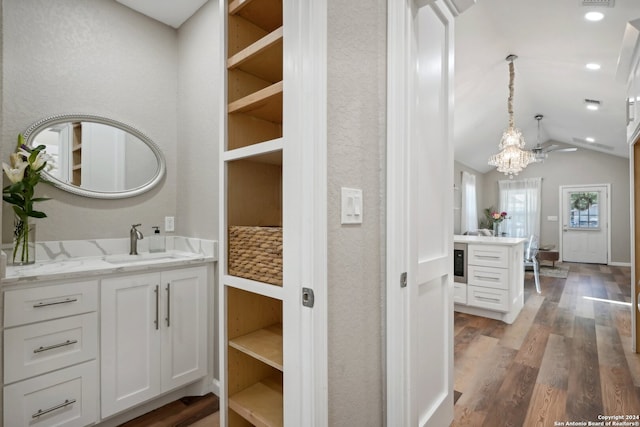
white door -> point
(184, 326)
(130, 341)
(585, 223)
(420, 206)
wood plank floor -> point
(197, 411)
(566, 358)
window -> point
(469, 210)
(521, 200)
(584, 212)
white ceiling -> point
(170, 12)
(553, 42)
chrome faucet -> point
(134, 236)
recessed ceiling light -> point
(593, 66)
(592, 104)
(590, 139)
(594, 16)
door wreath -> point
(583, 201)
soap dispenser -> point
(156, 241)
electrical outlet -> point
(169, 223)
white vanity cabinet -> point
(153, 335)
(50, 349)
(495, 277)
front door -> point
(420, 227)
(585, 225)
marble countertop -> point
(486, 240)
(73, 259)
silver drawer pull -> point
(51, 347)
(168, 318)
(488, 256)
(40, 412)
(495, 279)
(487, 299)
(46, 304)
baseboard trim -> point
(620, 264)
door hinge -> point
(307, 297)
(403, 280)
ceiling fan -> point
(541, 151)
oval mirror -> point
(97, 157)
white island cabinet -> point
(495, 277)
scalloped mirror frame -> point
(32, 131)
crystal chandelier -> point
(512, 158)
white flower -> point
(40, 160)
(16, 173)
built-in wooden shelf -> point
(260, 404)
(263, 344)
(263, 152)
(77, 147)
(260, 288)
(252, 164)
(267, 14)
(77, 167)
(262, 59)
(265, 104)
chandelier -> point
(512, 158)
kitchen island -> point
(494, 285)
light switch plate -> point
(552, 218)
(351, 206)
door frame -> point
(399, 57)
(561, 188)
(634, 202)
(305, 251)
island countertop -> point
(489, 240)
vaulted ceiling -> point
(554, 42)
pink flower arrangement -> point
(498, 216)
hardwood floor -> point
(197, 411)
(566, 358)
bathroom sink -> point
(143, 257)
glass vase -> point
(496, 229)
(24, 242)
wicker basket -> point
(256, 253)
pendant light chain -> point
(512, 76)
(512, 158)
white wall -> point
(580, 167)
(356, 138)
(199, 85)
(93, 57)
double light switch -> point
(351, 206)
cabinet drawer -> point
(489, 277)
(460, 293)
(23, 306)
(488, 256)
(42, 347)
(493, 299)
(62, 398)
